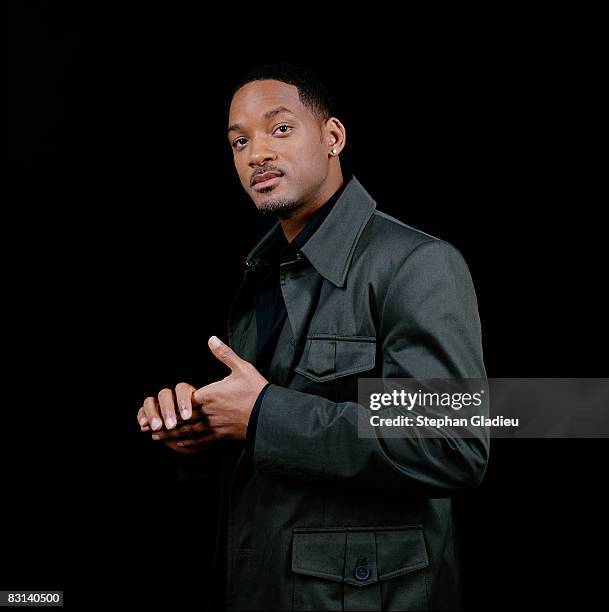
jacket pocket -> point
(359, 568)
(327, 357)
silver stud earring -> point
(334, 151)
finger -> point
(168, 410)
(224, 353)
(151, 409)
(192, 429)
(209, 437)
(141, 417)
(146, 428)
(197, 415)
(184, 393)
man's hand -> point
(228, 403)
(217, 411)
(173, 427)
(162, 411)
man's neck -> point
(297, 221)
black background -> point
(129, 227)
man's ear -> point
(335, 135)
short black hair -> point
(311, 90)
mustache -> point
(264, 171)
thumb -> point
(224, 353)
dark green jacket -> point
(324, 519)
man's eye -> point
(237, 141)
(282, 127)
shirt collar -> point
(331, 241)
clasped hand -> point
(186, 419)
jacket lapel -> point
(242, 334)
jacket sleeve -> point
(428, 328)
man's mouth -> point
(267, 179)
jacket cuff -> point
(250, 437)
(292, 432)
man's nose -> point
(260, 152)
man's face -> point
(270, 130)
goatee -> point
(280, 207)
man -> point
(315, 516)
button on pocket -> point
(362, 571)
(359, 568)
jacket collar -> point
(331, 247)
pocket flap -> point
(400, 551)
(319, 552)
(326, 357)
(359, 555)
